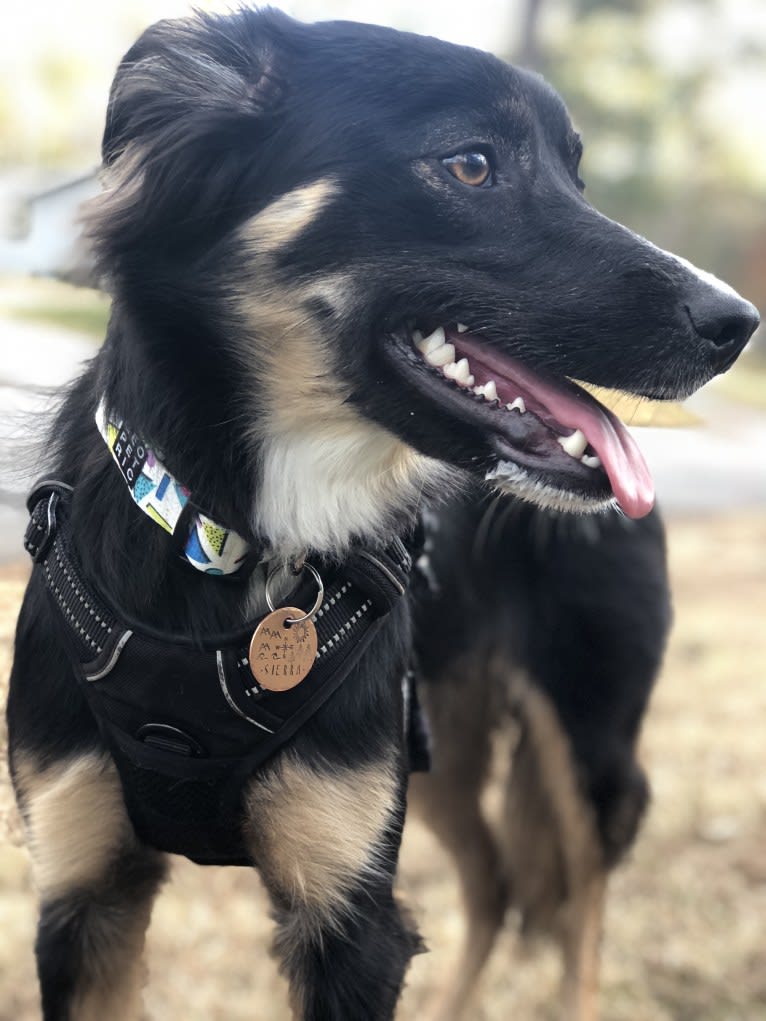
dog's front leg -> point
(96, 881)
(326, 839)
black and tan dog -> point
(296, 221)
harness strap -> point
(369, 586)
(90, 622)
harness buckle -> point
(170, 739)
(382, 574)
(43, 522)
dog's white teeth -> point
(460, 372)
(575, 444)
(490, 391)
(590, 462)
(441, 356)
(487, 390)
(517, 405)
(462, 328)
(463, 372)
(432, 342)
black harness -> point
(184, 719)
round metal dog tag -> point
(281, 652)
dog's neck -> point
(331, 484)
(321, 490)
(280, 456)
(318, 489)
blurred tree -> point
(530, 54)
(643, 81)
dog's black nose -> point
(726, 320)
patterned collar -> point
(210, 547)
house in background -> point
(39, 230)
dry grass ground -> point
(685, 929)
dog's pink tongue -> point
(572, 407)
(619, 454)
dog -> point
(353, 274)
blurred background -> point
(670, 97)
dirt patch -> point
(685, 927)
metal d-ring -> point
(319, 599)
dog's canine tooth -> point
(575, 444)
(433, 341)
(442, 356)
(518, 405)
(490, 391)
(417, 339)
(462, 328)
(590, 462)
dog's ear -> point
(190, 106)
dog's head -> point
(376, 247)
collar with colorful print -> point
(210, 547)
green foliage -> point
(91, 319)
(43, 300)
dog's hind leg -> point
(96, 884)
(325, 838)
(448, 798)
(580, 937)
(553, 852)
(596, 617)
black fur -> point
(210, 121)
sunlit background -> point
(670, 97)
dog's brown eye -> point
(469, 168)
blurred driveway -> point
(715, 467)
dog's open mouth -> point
(546, 431)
